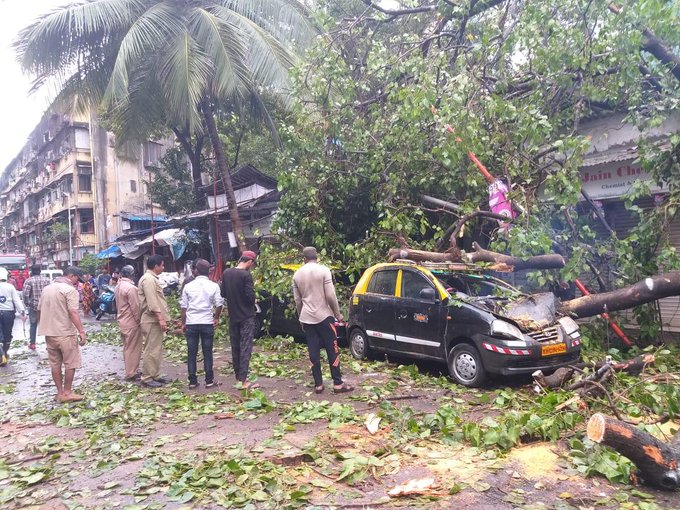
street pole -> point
(153, 234)
(70, 233)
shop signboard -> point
(614, 179)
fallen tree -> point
(499, 261)
(648, 290)
(657, 461)
(563, 375)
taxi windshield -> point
(476, 285)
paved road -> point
(28, 372)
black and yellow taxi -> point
(475, 323)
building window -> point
(84, 178)
(153, 152)
(84, 183)
(133, 186)
(86, 221)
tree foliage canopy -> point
(515, 81)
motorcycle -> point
(105, 303)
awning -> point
(110, 253)
(130, 251)
(174, 238)
(144, 217)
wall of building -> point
(69, 169)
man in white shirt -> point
(201, 307)
(10, 304)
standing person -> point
(153, 322)
(127, 304)
(87, 294)
(317, 307)
(191, 277)
(59, 321)
(33, 288)
(10, 304)
(103, 279)
(199, 298)
(238, 291)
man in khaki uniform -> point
(127, 304)
(153, 321)
(59, 320)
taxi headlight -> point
(570, 327)
(506, 330)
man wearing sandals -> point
(317, 307)
(238, 292)
(201, 306)
(59, 320)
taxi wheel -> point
(358, 344)
(465, 366)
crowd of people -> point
(52, 308)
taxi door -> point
(377, 308)
(420, 316)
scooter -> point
(105, 303)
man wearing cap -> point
(201, 307)
(317, 307)
(32, 291)
(10, 304)
(154, 321)
(127, 304)
(59, 321)
(238, 291)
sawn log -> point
(500, 262)
(649, 289)
(657, 461)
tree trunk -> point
(649, 289)
(657, 461)
(506, 263)
(223, 167)
(194, 155)
(502, 263)
(453, 255)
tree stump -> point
(657, 461)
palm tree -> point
(149, 64)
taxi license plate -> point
(551, 350)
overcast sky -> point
(20, 113)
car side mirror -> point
(427, 294)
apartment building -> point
(68, 192)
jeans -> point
(202, 333)
(33, 319)
(323, 335)
(241, 336)
(6, 326)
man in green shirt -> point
(154, 321)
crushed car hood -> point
(531, 312)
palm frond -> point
(224, 43)
(184, 75)
(149, 31)
(288, 21)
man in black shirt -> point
(238, 292)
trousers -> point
(6, 326)
(152, 338)
(33, 319)
(200, 334)
(323, 335)
(132, 350)
(241, 336)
